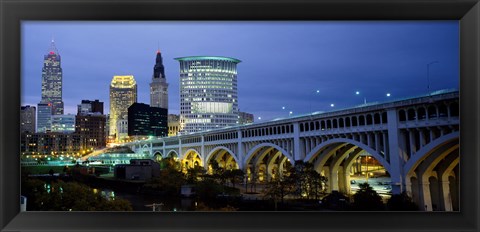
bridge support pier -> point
(396, 163)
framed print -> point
(310, 115)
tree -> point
(194, 174)
(170, 181)
(367, 199)
(401, 202)
(308, 183)
(66, 196)
(234, 175)
(276, 189)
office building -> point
(27, 119)
(52, 80)
(123, 93)
(245, 118)
(159, 85)
(52, 143)
(63, 123)
(44, 117)
(91, 126)
(208, 93)
(144, 120)
(122, 129)
(91, 123)
(173, 124)
(88, 106)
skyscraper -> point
(44, 117)
(123, 93)
(208, 92)
(52, 80)
(159, 85)
(27, 119)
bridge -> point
(415, 139)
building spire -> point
(53, 49)
(159, 69)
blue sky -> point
(283, 63)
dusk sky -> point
(283, 63)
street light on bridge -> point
(364, 98)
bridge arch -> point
(265, 161)
(216, 149)
(172, 153)
(191, 158)
(425, 151)
(261, 145)
(157, 155)
(369, 150)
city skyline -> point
(283, 63)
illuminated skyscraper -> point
(208, 92)
(123, 93)
(52, 80)
(159, 85)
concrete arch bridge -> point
(415, 139)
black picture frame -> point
(12, 12)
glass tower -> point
(208, 93)
(52, 80)
(44, 117)
(159, 85)
(123, 93)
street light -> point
(332, 105)
(388, 94)
(290, 113)
(364, 98)
(311, 100)
(428, 75)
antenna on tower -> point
(158, 46)
(53, 49)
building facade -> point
(44, 117)
(51, 143)
(52, 80)
(173, 124)
(91, 126)
(91, 123)
(123, 93)
(244, 118)
(63, 123)
(159, 85)
(138, 169)
(144, 120)
(208, 93)
(88, 106)
(122, 129)
(27, 119)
